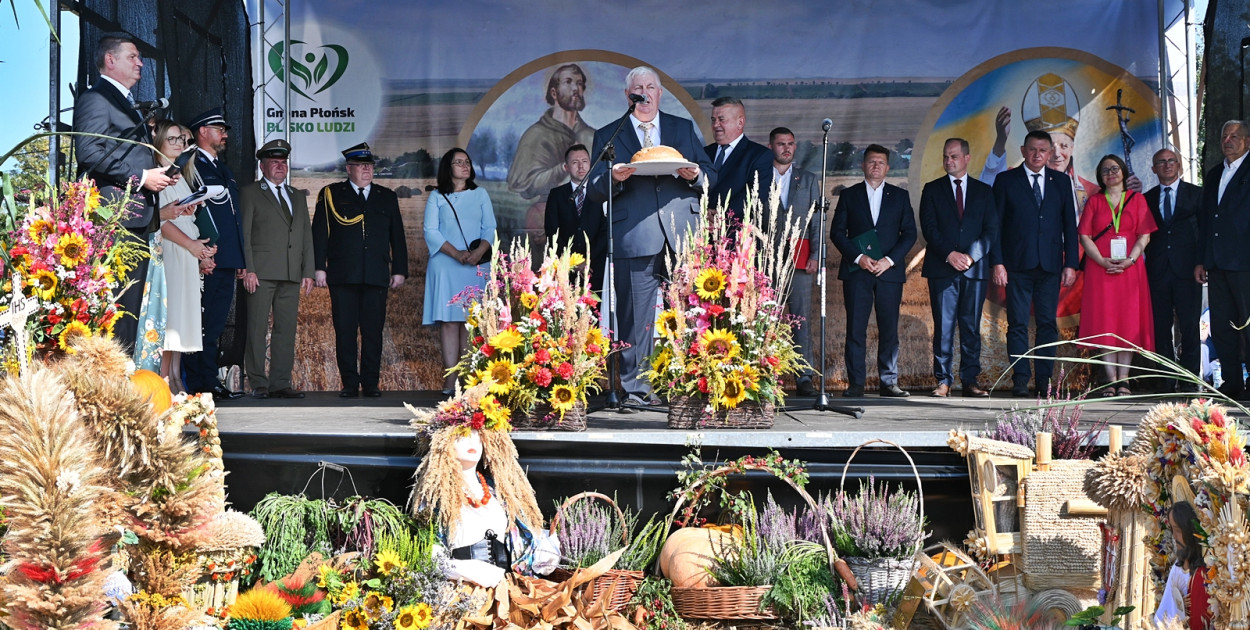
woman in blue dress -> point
(459, 230)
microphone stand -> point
(608, 155)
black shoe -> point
(287, 392)
(220, 392)
(892, 391)
(853, 392)
(805, 388)
(373, 392)
(260, 392)
(349, 393)
(1020, 392)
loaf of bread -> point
(659, 153)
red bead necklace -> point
(477, 503)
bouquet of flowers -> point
(536, 336)
(724, 338)
(402, 589)
(65, 258)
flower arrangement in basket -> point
(65, 259)
(536, 337)
(725, 341)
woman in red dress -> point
(1114, 229)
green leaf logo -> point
(308, 70)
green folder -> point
(869, 245)
(208, 228)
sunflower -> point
(416, 617)
(506, 340)
(529, 300)
(661, 360)
(72, 330)
(387, 561)
(562, 397)
(750, 376)
(734, 393)
(594, 336)
(710, 283)
(376, 605)
(501, 372)
(494, 411)
(354, 619)
(323, 575)
(667, 323)
(40, 230)
(72, 248)
(44, 282)
(350, 591)
(720, 344)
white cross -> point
(19, 311)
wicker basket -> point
(328, 622)
(880, 580)
(732, 602)
(542, 418)
(617, 585)
(686, 412)
(722, 602)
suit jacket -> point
(649, 212)
(1229, 217)
(357, 244)
(574, 229)
(748, 161)
(104, 110)
(227, 216)
(1174, 247)
(945, 232)
(277, 245)
(804, 191)
(896, 229)
(1030, 237)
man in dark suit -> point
(570, 220)
(1224, 257)
(873, 228)
(1171, 257)
(739, 162)
(649, 214)
(359, 251)
(798, 190)
(277, 247)
(1036, 253)
(118, 168)
(959, 223)
(211, 131)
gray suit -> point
(277, 247)
(804, 191)
(114, 165)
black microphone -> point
(180, 162)
(637, 98)
(826, 125)
(160, 103)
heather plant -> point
(588, 532)
(758, 557)
(1060, 415)
(877, 523)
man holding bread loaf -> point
(650, 212)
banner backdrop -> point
(516, 83)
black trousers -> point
(126, 330)
(358, 308)
(1178, 299)
(1228, 294)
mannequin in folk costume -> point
(1184, 595)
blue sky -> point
(24, 50)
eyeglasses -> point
(1110, 170)
(461, 162)
(1166, 161)
(176, 139)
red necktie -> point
(959, 199)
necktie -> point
(581, 198)
(1037, 190)
(959, 198)
(646, 134)
(130, 97)
(720, 155)
(1167, 204)
(282, 200)
(360, 192)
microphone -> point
(181, 162)
(638, 98)
(826, 125)
(160, 103)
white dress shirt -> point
(782, 181)
(1227, 175)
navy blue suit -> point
(1170, 258)
(956, 297)
(573, 229)
(1224, 229)
(220, 285)
(649, 215)
(748, 161)
(1035, 245)
(863, 291)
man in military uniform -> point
(359, 251)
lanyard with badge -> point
(1119, 244)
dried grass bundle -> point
(50, 481)
(1229, 587)
(1118, 481)
(159, 571)
(1147, 437)
(231, 530)
(156, 612)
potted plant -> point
(536, 336)
(589, 531)
(878, 532)
(725, 341)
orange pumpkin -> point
(152, 386)
(688, 554)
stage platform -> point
(276, 445)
